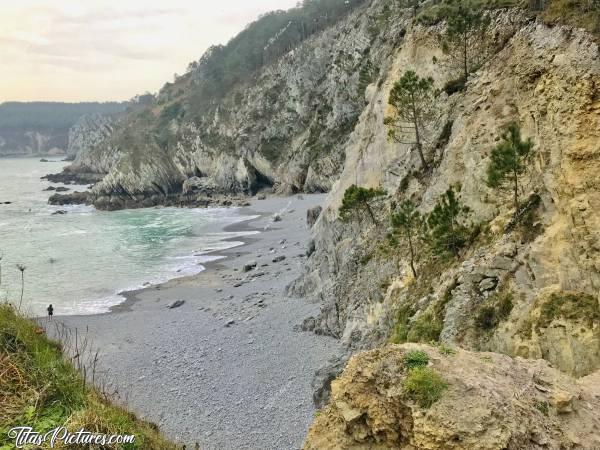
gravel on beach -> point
(214, 358)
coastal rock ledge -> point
(490, 402)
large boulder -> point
(489, 402)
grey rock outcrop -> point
(371, 409)
(312, 215)
(287, 129)
(554, 73)
(88, 132)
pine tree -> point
(445, 231)
(413, 99)
(508, 161)
(357, 200)
(465, 37)
(409, 221)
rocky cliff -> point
(286, 128)
(88, 132)
(484, 401)
(45, 128)
(523, 282)
(545, 270)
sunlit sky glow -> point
(79, 50)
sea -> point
(81, 261)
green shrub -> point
(505, 305)
(570, 306)
(497, 308)
(357, 201)
(426, 328)
(486, 318)
(424, 386)
(401, 327)
(578, 13)
(446, 350)
(415, 358)
(446, 234)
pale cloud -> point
(105, 50)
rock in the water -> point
(74, 198)
(249, 266)
(278, 259)
(176, 304)
(261, 196)
(277, 217)
(312, 215)
(60, 212)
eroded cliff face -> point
(88, 132)
(545, 79)
(286, 129)
(490, 402)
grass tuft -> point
(424, 386)
(415, 358)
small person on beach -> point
(50, 310)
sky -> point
(102, 50)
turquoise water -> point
(80, 261)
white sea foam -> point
(82, 260)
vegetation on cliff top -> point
(40, 388)
(578, 13)
(261, 43)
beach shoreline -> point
(226, 368)
(131, 295)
